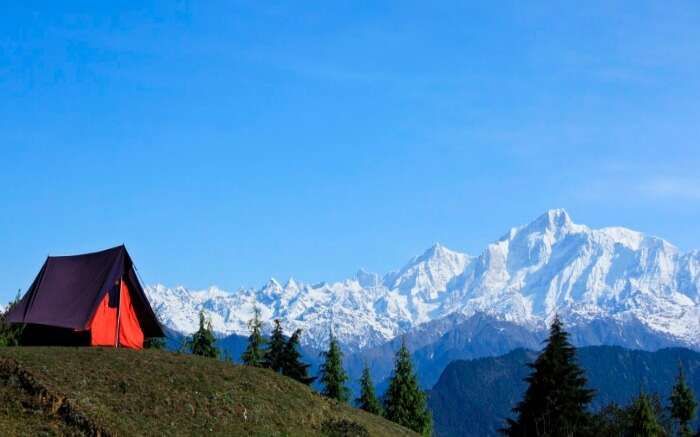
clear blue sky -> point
(227, 142)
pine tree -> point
(203, 341)
(368, 400)
(333, 376)
(275, 349)
(292, 366)
(556, 400)
(404, 401)
(254, 353)
(683, 404)
(643, 422)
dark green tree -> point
(203, 341)
(154, 343)
(617, 421)
(611, 420)
(10, 334)
(275, 349)
(332, 375)
(643, 421)
(254, 353)
(556, 400)
(292, 366)
(404, 401)
(368, 399)
(683, 404)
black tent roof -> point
(68, 289)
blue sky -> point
(228, 142)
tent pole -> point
(119, 311)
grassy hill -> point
(95, 391)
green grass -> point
(158, 393)
(20, 416)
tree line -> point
(556, 402)
(404, 402)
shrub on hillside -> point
(10, 335)
(343, 428)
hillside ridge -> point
(110, 392)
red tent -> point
(93, 299)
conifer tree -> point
(292, 366)
(683, 404)
(643, 422)
(254, 353)
(404, 401)
(332, 375)
(275, 349)
(368, 400)
(556, 400)
(203, 341)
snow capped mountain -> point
(555, 266)
(363, 311)
(549, 266)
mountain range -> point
(474, 397)
(611, 286)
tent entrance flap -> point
(103, 327)
(130, 332)
(119, 316)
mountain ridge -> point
(474, 397)
(551, 265)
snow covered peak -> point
(435, 256)
(626, 237)
(555, 221)
(368, 279)
(551, 265)
(212, 292)
(558, 216)
(437, 250)
(273, 284)
(427, 275)
(291, 285)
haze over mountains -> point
(614, 277)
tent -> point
(91, 299)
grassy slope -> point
(19, 418)
(161, 393)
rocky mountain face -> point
(610, 285)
